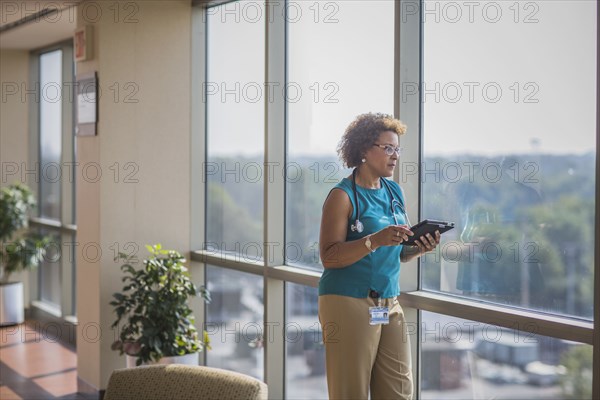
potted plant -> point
(19, 249)
(153, 317)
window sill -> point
(524, 320)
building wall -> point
(143, 67)
(14, 134)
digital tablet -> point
(427, 226)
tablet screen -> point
(427, 226)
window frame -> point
(64, 227)
(408, 68)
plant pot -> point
(187, 359)
(11, 303)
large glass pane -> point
(304, 349)
(234, 321)
(50, 109)
(340, 65)
(235, 128)
(463, 359)
(509, 146)
(50, 270)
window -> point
(234, 321)
(305, 351)
(471, 360)
(50, 108)
(335, 72)
(509, 153)
(55, 176)
(51, 88)
(233, 96)
(501, 140)
(235, 132)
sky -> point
(501, 77)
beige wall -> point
(14, 141)
(14, 146)
(150, 61)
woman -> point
(365, 336)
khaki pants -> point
(360, 356)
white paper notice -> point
(86, 108)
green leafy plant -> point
(152, 310)
(20, 249)
(577, 382)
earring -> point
(364, 160)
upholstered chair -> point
(182, 382)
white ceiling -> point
(38, 32)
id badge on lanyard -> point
(379, 315)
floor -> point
(34, 365)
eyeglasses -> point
(389, 150)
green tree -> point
(567, 225)
(228, 222)
(577, 382)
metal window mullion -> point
(204, 4)
(53, 224)
(66, 189)
(198, 157)
(67, 185)
(407, 71)
(34, 158)
(295, 275)
(274, 199)
(229, 261)
(596, 343)
(408, 108)
(521, 320)
(67, 273)
(286, 273)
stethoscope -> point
(358, 226)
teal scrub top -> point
(379, 270)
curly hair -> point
(362, 133)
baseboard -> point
(87, 391)
(52, 327)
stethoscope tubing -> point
(358, 226)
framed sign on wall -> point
(87, 104)
(82, 41)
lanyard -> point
(358, 226)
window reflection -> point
(50, 109)
(50, 269)
(515, 172)
(341, 72)
(235, 131)
(234, 321)
(472, 360)
(305, 352)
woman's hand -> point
(427, 243)
(423, 245)
(392, 235)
